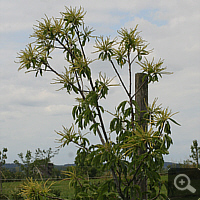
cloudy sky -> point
(31, 108)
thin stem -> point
(83, 52)
(81, 146)
(59, 47)
(79, 86)
(99, 132)
(98, 110)
(53, 70)
(117, 183)
(130, 79)
(139, 167)
(139, 88)
(130, 87)
(134, 59)
(123, 85)
(92, 86)
(63, 45)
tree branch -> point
(79, 86)
(129, 68)
(117, 183)
(119, 77)
(130, 87)
(92, 86)
(53, 70)
(139, 88)
(139, 167)
(134, 59)
(101, 120)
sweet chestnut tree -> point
(120, 156)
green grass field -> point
(60, 186)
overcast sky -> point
(31, 108)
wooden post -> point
(141, 98)
(1, 190)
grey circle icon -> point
(181, 182)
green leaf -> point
(94, 127)
(112, 124)
(122, 106)
(75, 89)
(74, 111)
(128, 112)
(101, 108)
(174, 121)
(167, 128)
(139, 57)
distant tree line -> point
(194, 161)
(195, 156)
(39, 166)
(3, 158)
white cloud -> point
(32, 109)
(58, 109)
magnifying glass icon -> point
(181, 182)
